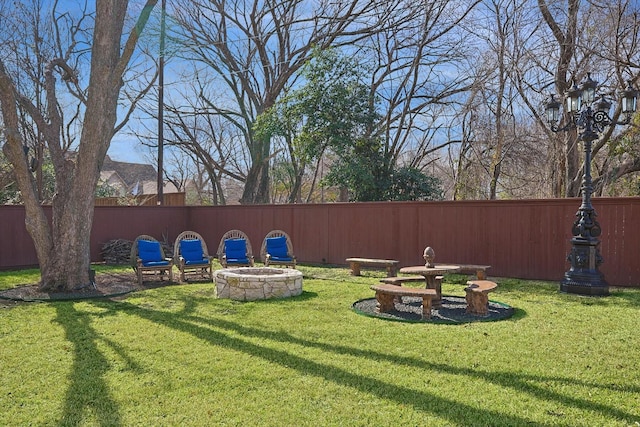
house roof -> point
(136, 177)
(111, 177)
(130, 173)
(151, 187)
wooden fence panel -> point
(127, 222)
(16, 246)
(519, 238)
(620, 240)
(311, 241)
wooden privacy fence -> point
(522, 238)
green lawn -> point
(178, 356)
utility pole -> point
(161, 108)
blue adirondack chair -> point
(191, 256)
(235, 250)
(277, 249)
(147, 256)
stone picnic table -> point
(430, 274)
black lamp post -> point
(591, 118)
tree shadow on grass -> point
(455, 411)
(88, 394)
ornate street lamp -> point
(591, 118)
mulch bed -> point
(453, 310)
(107, 285)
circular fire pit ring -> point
(255, 283)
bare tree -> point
(499, 139)
(255, 48)
(63, 247)
(27, 21)
(565, 34)
(617, 153)
(213, 143)
(599, 38)
(419, 66)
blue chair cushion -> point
(191, 251)
(236, 251)
(150, 254)
(277, 248)
(281, 258)
(154, 263)
(244, 260)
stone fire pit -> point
(254, 283)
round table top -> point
(436, 270)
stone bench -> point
(391, 265)
(399, 280)
(478, 296)
(479, 270)
(387, 293)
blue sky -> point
(125, 148)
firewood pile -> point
(118, 251)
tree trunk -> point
(573, 177)
(36, 222)
(256, 186)
(565, 36)
(73, 206)
(69, 258)
(63, 249)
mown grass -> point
(176, 355)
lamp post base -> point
(585, 286)
(583, 277)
